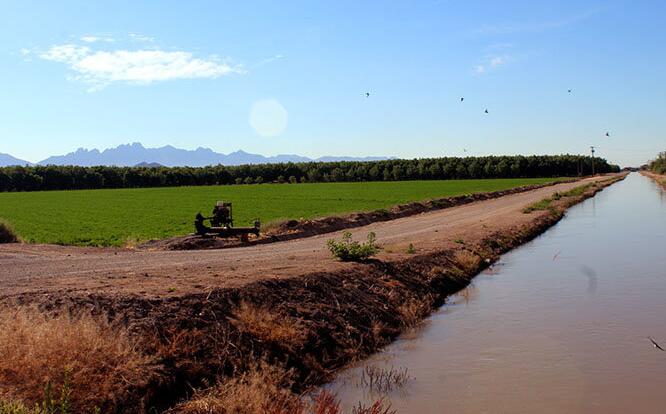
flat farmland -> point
(119, 217)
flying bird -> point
(556, 255)
(367, 94)
(570, 90)
(487, 111)
(656, 345)
(608, 134)
(462, 99)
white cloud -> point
(93, 39)
(536, 27)
(492, 62)
(137, 37)
(99, 68)
(269, 60)
(67, 53)
(500, 46)
(497, 61)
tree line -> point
(52, 177)
(658, 165)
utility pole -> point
(592, 149)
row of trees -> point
(658, 165)
(53, 177)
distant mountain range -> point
(6, 160)
(149, 165)
(136, 154)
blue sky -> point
(290, 77)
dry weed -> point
(436, 271)
(383, 380)
(377, 330)
(393, 284)
(327, 403)
(263, 389)
(324, 403)
(467, 261)
(414, 309)
(378, 407)
(98, 360)
(269, 325)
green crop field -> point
(115, 217)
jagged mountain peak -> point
(170, 156)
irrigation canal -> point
(558, 325)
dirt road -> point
(50, 269)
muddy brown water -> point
(559, 325)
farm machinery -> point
(222, 223)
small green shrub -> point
(539, 205)
(351, 250)
(578, 191)
(7, 233)
(50, 404)
(14, 407)
(658, 165)
(546, 203)
(411, 249)
(459, 241)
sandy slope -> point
(51, 269)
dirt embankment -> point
(658, 178)
(295, 229)
(30, 269)
(314, 324)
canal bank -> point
(658, 178)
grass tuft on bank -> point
(547, 203)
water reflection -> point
(467, 295)
(591, 279)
